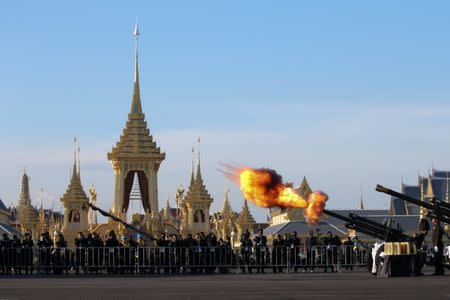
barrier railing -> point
(178, 260)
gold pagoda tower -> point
(245, 220)
(136, 152)
(74, 202)
(195, 206)
(28, 218)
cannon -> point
(399, 248)
(371, 228)
(437, 209)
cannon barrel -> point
(382, 189)
(337, 216)
(106, 214)
(387, 230)
(439, 209)
(369, 227)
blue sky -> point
(345, 93)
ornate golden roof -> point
(304, 189)
(136, 141)
(226, 209)
(75, 191)
(197, 191)
(245, 216)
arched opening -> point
(74, 216)
(199, 216)
(142, 184)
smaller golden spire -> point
(199, 174)
(429, 192)
(192, 174)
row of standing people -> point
(289, 247)
(173, 254)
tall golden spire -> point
(136, 108)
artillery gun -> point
(371, 228)
(437, 209)
(398, 247)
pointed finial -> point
(136, 29)
(75, 151)
(42, 199)
(361, 204)
(79, 164)
(198, 149)
(136, 102)
(199, 174)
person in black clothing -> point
(162, 253)
(199, 249)
(294, 250)
(89, 253)
(45, 243)
(129, 253)
(210, 252)
(418, 239)
(16, 247)
(336, 242)
(96, 248)
(277, 254)
(310, 249)
(111, 252)
(260, 251)
(59, 256)
(142, 255)
(438, 247)
(27, 253)
(246, 251)
(80, 253)
(187, 255)
(327, 251)
(5, 247)
(174, 250)
(348, 253)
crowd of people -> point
(172, 254)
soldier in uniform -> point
(260, 250)
(438, 247)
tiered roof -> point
(226, 209)
(197, 191)
(75, 191)
(245, 216)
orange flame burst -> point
(265, 188)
